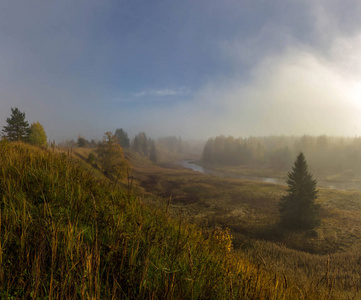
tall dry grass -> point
(65, 234)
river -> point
(189, 165)
(337, 185)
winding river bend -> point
(354, 184)
(188, 164)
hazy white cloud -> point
(293, 93)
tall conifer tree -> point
(298, 208)
(122, 137)
(17, 129)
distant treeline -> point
(141, 143)
(145, 146)
(323, 153)
(165, 149)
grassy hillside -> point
(66, 234)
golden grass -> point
(66, 234)
(327, 257)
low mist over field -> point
(194, 69)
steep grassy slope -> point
(65, 234)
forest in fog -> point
(324, 153)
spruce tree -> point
(298, 209)
(17, 129)
(122, 137)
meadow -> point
(67, 232)
(328, 255)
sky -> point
(195, 69)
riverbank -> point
(199, 166)
(340, 181)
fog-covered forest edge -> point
(325, 154)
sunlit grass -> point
(66, 234)
(327, 256)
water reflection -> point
(189, 165)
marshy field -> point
(164, 232)
(327, 256)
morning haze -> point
(182, 68)
(180, 149)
